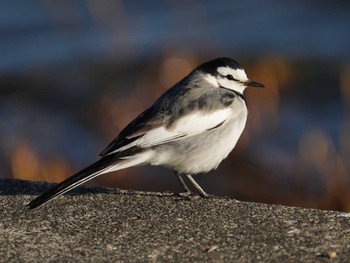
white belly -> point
(203, 152)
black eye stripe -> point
(230, 77)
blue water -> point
(35, 33)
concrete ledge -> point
(107, 225)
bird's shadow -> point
(23, 187)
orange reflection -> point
(25, 163)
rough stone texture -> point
(106, 225)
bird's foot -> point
(187, 195)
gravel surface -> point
(109, 225)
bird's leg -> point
(185, 187)
(196, 185)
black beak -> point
(250, 83)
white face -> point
(229, 78)
(232, 78)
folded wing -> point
(152, 131)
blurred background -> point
(73, 73)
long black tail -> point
(79, 178)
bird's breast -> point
(205, 151)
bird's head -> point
(226, 73)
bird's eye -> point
(230, 77)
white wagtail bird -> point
(191, 128)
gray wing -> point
(146, 121)
(178, 113)
(155, 116)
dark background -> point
(74, 73)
